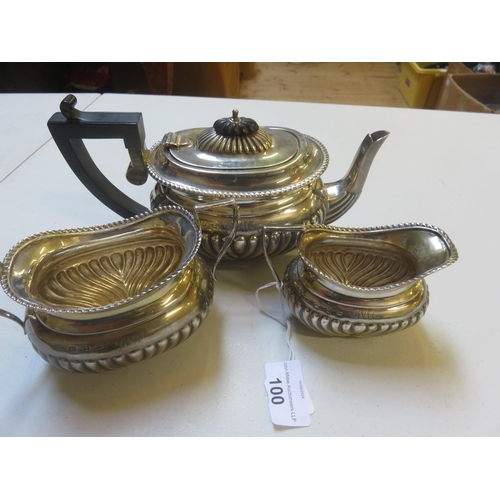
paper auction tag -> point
(289, 401)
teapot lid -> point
(237, 158)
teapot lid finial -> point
(236, 126)
(235, 135)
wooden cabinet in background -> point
(160, 77)
(207, 79)
(204, 79)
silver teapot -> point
(273, 173)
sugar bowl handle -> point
(230, 237)
(13, 317)
(7, 314)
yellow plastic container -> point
(420, 86)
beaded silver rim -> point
(453, 252)
(4, 282)
(244, 194)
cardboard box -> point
(458, 67)
(471, 92)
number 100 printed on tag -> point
(289, 402)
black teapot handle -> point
(71, 126)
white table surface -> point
(23, 127)
(439, 378)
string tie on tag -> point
(283, 320)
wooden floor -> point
(369, 84)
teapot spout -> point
(344, 193)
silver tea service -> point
(105, 297)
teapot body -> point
(306, 205)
